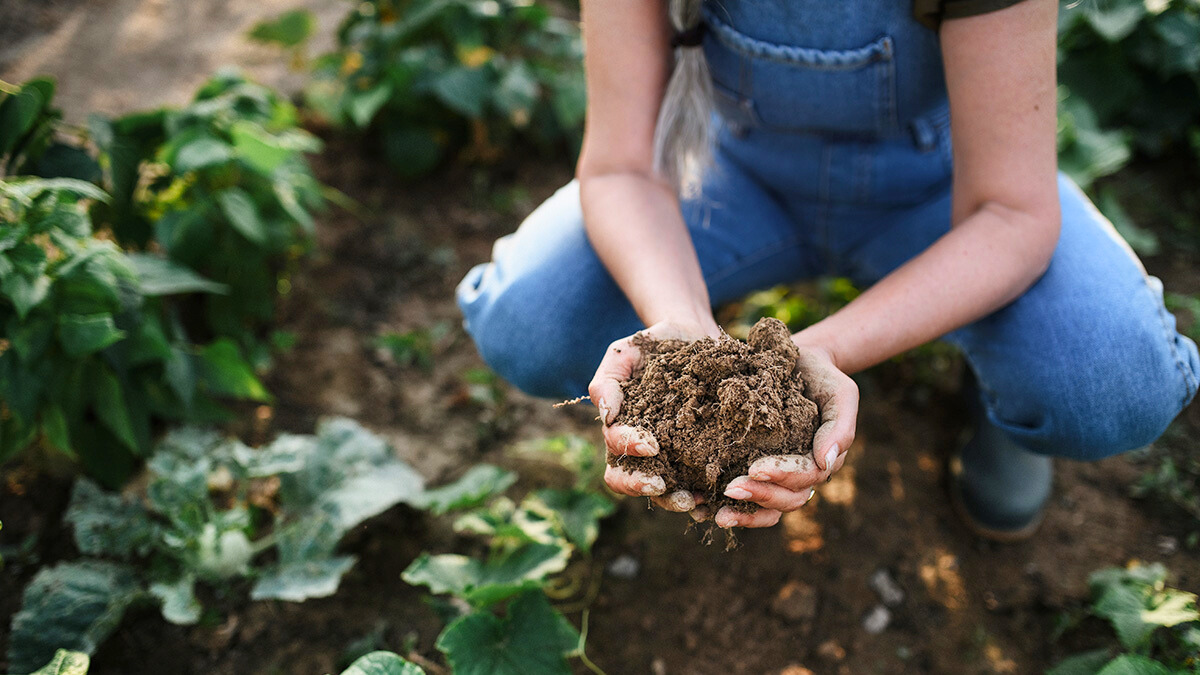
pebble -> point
(877, 620)
(624, 566)
(886, 587)
(830, 650)
(796, 601)
(1167, 545)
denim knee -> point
(1091, 409)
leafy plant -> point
(88, 360)
(1130, 75)
(211, 512)
(430, 77)
(1157, 627)
(29, 143)
(501, 620)
(222, 188)
(376, 663)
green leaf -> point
(223, 371)
(201, 153)
(242, 214)
(503, 520)
(17, 115)
(382, 663)
(372, 492)
(300, 581)
(364, 105)
(1114, 21)
(1087, 663)
(578, 511)
(476, 485)
(1172, 608)
(25, 293)
(464, 90)
(533, 639)
(74, 605)
(66, 663)
(109, 524)
(179, 603)
(162, 276)
(258, 148)
(108, 399)
(54, 428)
(516, 94)
(289, 29)
(484, 583)
(1133, 664)
(81, 335)
(181, 376)
(411, 151)
(1123, 607)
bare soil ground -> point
(790, 600)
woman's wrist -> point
(819, 338)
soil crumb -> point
(714, 406)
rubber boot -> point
(999, 488)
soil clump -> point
(715, 406)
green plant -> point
(1157, 627)
(88, 361)
(431, 77)
(410, 348)
(212, 510)
(529, 548)
(1130, 76)
(221, 187)
(376, 663)
(29, 143)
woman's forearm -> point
(634, 225)
(978, 267)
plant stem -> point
(583, 657)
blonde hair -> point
(683, 136)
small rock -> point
(1167, 545)
(658, 667)
(624, 567)
(886, 587)
(795, 669)
(796, 601)
(877, 620)
(831, 651)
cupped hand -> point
(784, 483)
(621, 359)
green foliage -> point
(66, 663)
(1130, 81)
(220, 187)
(382, 663)
(211, 508)
(290, 29)
(28, 135)
(528, 545)
(88, 359)
(411, 348)
(429, 78)
(1157, 627)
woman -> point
(910, 147)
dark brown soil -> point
(715, 406)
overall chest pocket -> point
(788, 88)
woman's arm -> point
(1000, 72)
(632, 215)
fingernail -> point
(653, 485)
(726, 521)
(681, 500)
(811, 493)
(699, 514)
(735, 492)
(604, 411)
(759, 475)
(831, 457)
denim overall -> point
(834, 157)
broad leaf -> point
(1133, 664)
(484, 583)
(66, 663)
(476, 485)
(109, 524)
(81, 334)
(372, 492)
(1087, 663)
(1123, 607)
(289, 29)
(201, 153)
(578, 511)
(464, 90)
(533, 639)
(74, 605)
(364, 105)
(179, 603)
(382, 663)
(243, 215)
(302, 580)
(224, 372)
(109, 400)
(162, 276)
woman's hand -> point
(785, 482)
(619, 362)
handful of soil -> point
(715, 406)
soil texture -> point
(715, 406)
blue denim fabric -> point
(834, 157)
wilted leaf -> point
(74, 605)
(484, 583)
(533, 639)
(476, 485)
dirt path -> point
(114, 56)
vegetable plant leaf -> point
(382, 663)
(201, 153)
(224, 372)
(74, 605)
(179, 603)
(243, 215)
(109, 400)
(287, 30)
(1087, 663)
(1133, 664)
(476, 485)
(162, 276)
(533, 639)
(484, 583)
(372, 492)
(579, 512)
(1174, 607)
(300, 581)
(464, 90)
(66, 662)
(1123, 607)
(364, 105)
(82, 334)
(108, 524)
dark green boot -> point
(998, 487)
